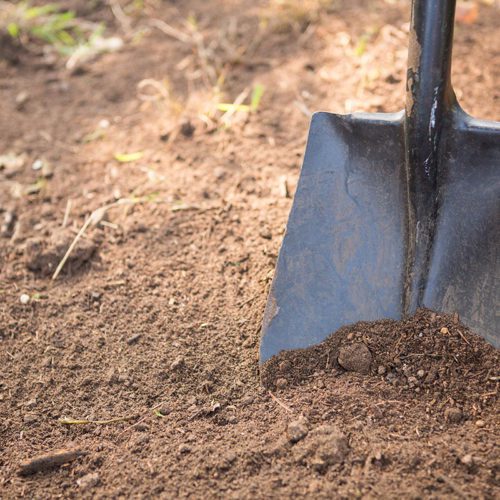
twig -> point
(283, 405)
(49, 461)
(66, 213)
(463, 336)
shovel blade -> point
(464, 270)
(344, 255)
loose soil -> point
(149, 336)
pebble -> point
(21, 99)
(7, 224)
(444, 330)
(355, 357)
(420, 373)
(281, 383)
(88, 481)
(381, 370)
(164, 410)
(37, 164)
(453, 415)
(24, 298)
(30, 418)
(480, 423)
(297, 430)
(184, 448)
(332, 447)
(467, 459)
(187, 129)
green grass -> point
(49, 24)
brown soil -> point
(150, 333)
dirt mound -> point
(429, 357)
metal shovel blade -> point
(344, 257)
(393, 212)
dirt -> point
(149, 335)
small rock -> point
(164, 410)
(444, 330)
(232, 419)
(355, 357)
(37, 164)
(30, 418)
(7, 225)
(184, 448)
(177, 363)
(21, 99)
(412, 381)
(381, 370)
(480, 423)
(281, 383)
(187, 129)
(420, 373)
(24, 298)
(88, 481)
(297, 430)
(453, 415)
(467, 460)
(329, 446)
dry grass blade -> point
(283, 405)
(171, 31)
(94, 217)
(72, 421)
(71, 248)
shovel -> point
(393, 212)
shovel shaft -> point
(429, 103)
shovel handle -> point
(429, 94)
(430, 102)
